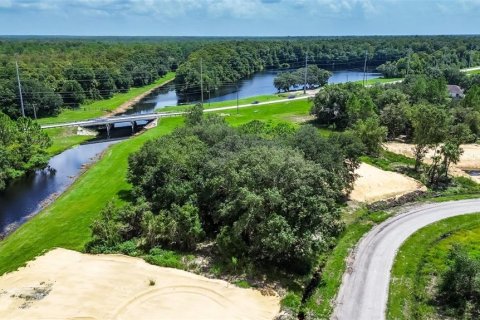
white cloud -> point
(5, 3)
(229, 8)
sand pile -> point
(64, 284)
(374, 184)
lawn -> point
(63, 139)
(421, 259)
(66, 222)
(380, 80)
(102, 107)
(227, 103)
(473, 72)
(389, 161)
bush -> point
(459, 288)
(164, 258)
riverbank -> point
(106, 107)
(65, 138)
(130, 103)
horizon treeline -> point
(68, 71)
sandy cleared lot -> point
(64, 284)
(469, 160)
(374, 184)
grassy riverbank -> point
(227, 103)
(421, 259)
(65, 138)
(381, 80)
(103, 107)
(66, 222)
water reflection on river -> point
(259, 84)
(29, 195)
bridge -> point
(112, 120)
(109, 122)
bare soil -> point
(64, 284)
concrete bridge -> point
(109, 122)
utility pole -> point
(470, 59)
(208, 90)
(365, 69)
(408, 62)
(306, 66)
(237, 97)
(20, 89)
(201, 79)
(34, 110)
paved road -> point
(364, 291)
(153, 115)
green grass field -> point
(66, 222)
(102, 107)
(380, 80)
(421, 259)
(473, 71)
(242, 101)
(63, 139)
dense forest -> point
(264, 194)
(225, 62)
(67, 72)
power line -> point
(306, 67)
(201, 79)
(20, 89)
(365, 69)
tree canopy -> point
(22, 148)
(264, 193)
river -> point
(29, 195)
(260, 83)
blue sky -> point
(238, 17)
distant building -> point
(455, 91)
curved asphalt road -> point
(363, 294)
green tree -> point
(390, 97)
(396, 118)
(360, 107)
(330, 105)
(459, 287)
(285, 80)
(72, 93)
(23, 147)
(372, 134)
(42, 98)
(194, 115)
(472, 99)
(429, 125)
